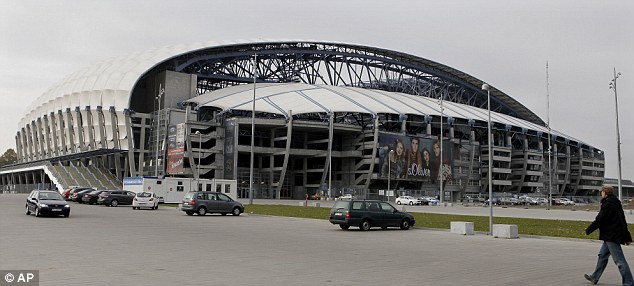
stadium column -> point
(18, 147)
(25, 141)
(62, 132)
(102, 128)
(375, 146)
(115, 141)
(40, 137)
(34, 143)
(71, 134)
(91, 129)
(287, 154)
(131, 149)
(54, 138)
(47, 136)
(80, 129)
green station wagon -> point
(366, 214)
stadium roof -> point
(110, 83)
(300, 98)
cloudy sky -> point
(505, 43)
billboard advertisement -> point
(415, 158)
(175, 148)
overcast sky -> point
(505, 43)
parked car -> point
(145, 200)
(46, 203)
(66, 194)
(202, 203)
(496, 202)
(77, 196)
(428, 201)
(407, 200)
(115, 198)
(566, 202)
(366, 214)
(345, 197)
(91, 197)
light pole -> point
(158, 124)
(618, 135)
(200, 137)
(389, 173)
(440, 139)
(255, 75)
(550, 167)
(490, 174)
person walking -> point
(613, 231)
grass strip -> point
(526, 226)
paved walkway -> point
(101, 245)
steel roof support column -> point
(62, 133)
(90, 131)
(289, 132)
(131, 147)
(54, 137)
(71, 132)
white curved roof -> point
(109, 83)
(300, 98)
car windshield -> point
(95, 192)
(144, 195)
(50, 196)
(188, 196)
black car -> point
(91, 197)
(76, 196)
(115, 198)
(46, 203)
(366, 214)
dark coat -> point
(611, 222)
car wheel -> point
(236, 211)
(365, 225)
(398, 203)
(384, 227)
(27, 212)
(37, 212)
(67, 214)
(114, 203)
(223, 213)
(189, 213)
(411, 203)
(405, 224)
(202, 211)
(343, 226)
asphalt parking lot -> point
(119, 246)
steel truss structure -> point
(339, 64)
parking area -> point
(101, 245)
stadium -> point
(330, 119)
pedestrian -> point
(613, 231)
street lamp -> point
(255, 76)
(389, 173)
(490, 174)
(158, 125)
(200, 140)
(618, 135)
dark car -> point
(46, 203)
(366, 214)
(70, 191)
(115, 198)
(91, 197)
(76, 197)
(210, 202)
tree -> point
(9, 157)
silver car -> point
(202, 203)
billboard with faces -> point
(414, 158)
